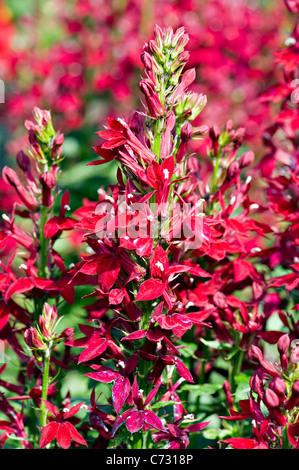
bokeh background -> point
(81, 60)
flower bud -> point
(214, 133)
(48, 319)
(11, 177)
(152, 99)
(147, 60)
(56, 146)
(67, 333)
(246, 159)
(227, 390)
(278, 386)
(270, 399)
(283, 344)
(23, 161)
(42, 116)
(158, 33)
(32, 340)
(256, 383)
(167, 36)
(48, 182)
(233, 170)
(187, 79)
(155, 50)
(294, 398)
(294, 356)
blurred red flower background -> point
(189, 341)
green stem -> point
(137, 441)
(45, 384)
(215, 172)
(205, 358)
(43, 243)
(235, 368)
(157, 140)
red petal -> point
(135, 335)
(152, 419)
(120, 392)
(48, 434)
(19, 286)
(63, 436)
(135, 421)
(108, 271)
(120, 420)
(51, 408)
(150, 289)
(182, 370)
(94, 349)
(242, 269)
(116, 296)
(240, 443)
(104, 375)
(73, 410)
(159, 257)
(74, 434)
(43, 284)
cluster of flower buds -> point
(45, 152)
(274, 399)
(223, 153)
(46, 143)
(165, 87)
(44, 337)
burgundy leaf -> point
(120, 392)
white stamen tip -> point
(190, 304)
(166, 173)
(257, 249)
(23, 266)
(290, 41)
(109, 198)
(160, 265)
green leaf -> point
(214, 344)
(201, 390)
(189, 350)
(213, 434)
(162, 404)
